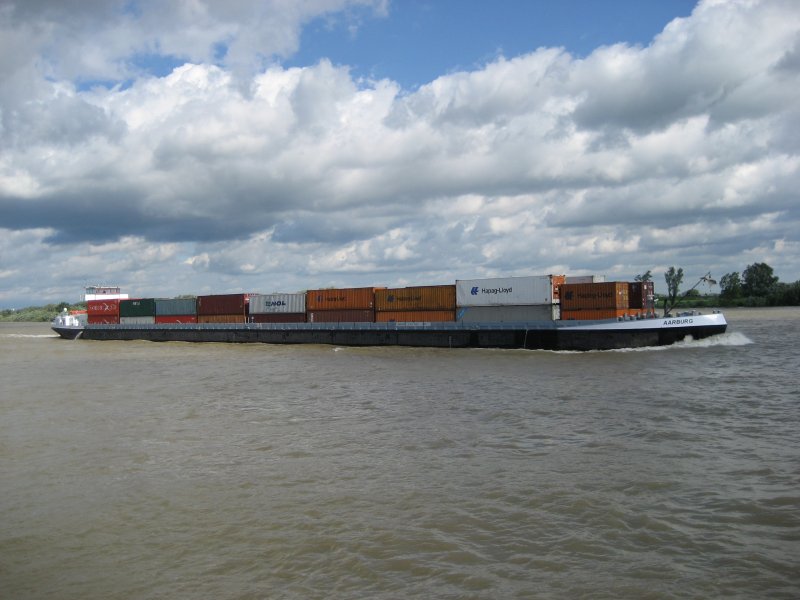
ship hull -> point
(546, 335)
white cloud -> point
(682, 152)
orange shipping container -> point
(350, 315)
(592, 314)
(580, 296)
(414, 316)
(220, 318)
(428, 297)
(558, 281)
(341, 299)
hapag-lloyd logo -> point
(501, 290)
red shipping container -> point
(222, 304)
(641, 294)
(278, 318)
(341, 316)
(593, 314)
(103, 307)
(176, 319)
(102, 319)
(579, 296)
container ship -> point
(549, 312)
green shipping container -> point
(141, 307)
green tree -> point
(646, 276)
(674, 279)
(758, 280)
(730, 286)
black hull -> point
(532, 336)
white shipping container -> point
(277, 303)
(503, 291)
(586, 279)
(137, 320)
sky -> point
(195, 146)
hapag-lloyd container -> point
(415, 316)
(175, 306)
(582, 296)
(277, 303)
(429, 297)
(514, 291)
(341, 299)
(222, 304)
(347, 315)
(585, 279)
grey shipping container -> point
(277, 303)
(175, 306)
(137, 320)
(508, 314)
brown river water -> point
(140, 470)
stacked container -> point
(642, 295)
(416, 304)
(176, 310)
(222, 308)
(277, 308)
(351, 305)
(585, 279)
(586, 301)
(141, 311)
(508, 299)
(102, 312)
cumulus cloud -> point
(681, 152)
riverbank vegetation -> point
(38, 314)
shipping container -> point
(641, 294)
(140, 307)
(277, 303)
(175, 306)
(508, 314)
(102, 319)
(222, 304)
(590, 314)
(341, 299)
(414, 316)
(585, 279)
(278, 318)
(352, 315)
(508, 291)
(579, 296)
(103, 307)
(163, 319)
(221, 318)
(429, 297)
(140, 320)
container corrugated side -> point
(341, 299)
(277, 303)
(428, 297)
(414, 316)
(163, 319)
(176, 306)
(278, 318)
(641, 294)
(102, 307)
(139, 307)
(354, 315)
(102, 319)
(590, 314)
(222, 304)
(140, 320)
(505, 291)
(508, 314)
(221, 318)
(579, 296)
